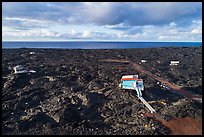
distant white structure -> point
(130, 76)
(31, 53)
(143, 60)
(20, 69)
(173, 63)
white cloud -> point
(29, 33)
(103, 20)
(196, 27)
(26, 20)
(198, 22)
(86, 34)
(142, 33)
(24, 27)
(103, 13)
(172, 38)
(172, 24)
(7, 29)
(170, 32)
(73, 32)
(197, 31)
(26, 23)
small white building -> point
(174, 63)
(31, 53)
(143, 61)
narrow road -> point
(171, 86)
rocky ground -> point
(73, 92)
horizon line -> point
(88, 41)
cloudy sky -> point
(109, 21)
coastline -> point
(97, 44)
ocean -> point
(97, 45)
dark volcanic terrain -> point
(75, 92)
